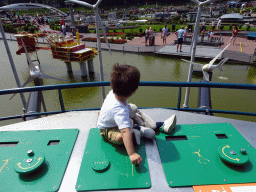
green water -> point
(152, 68)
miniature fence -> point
(126, 48)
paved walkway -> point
(248, 46)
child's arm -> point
(127, 139)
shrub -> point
(240, 26)
(31, 29)
(230, 27)
(123, 36)
(118, 41)
(140, 30)
(16, 30)
(248, 27)
(221, 27)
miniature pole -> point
(83, 69)
(194, 43)
(69, 67)
(12, 64)
(100, 56)
(72, 14)
(196, 29)
(90, 66)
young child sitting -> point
(117, 117)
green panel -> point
(107, 166)
(196, 161)
(41, 169)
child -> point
(210, 35)
(202, 35)
(117, 116)
(234, 34)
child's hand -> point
(135, 158)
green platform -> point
(41, 169)
(190, 155)
(107, 167)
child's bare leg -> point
(119, 139)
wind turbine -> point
(210, 67)
(193, 46)
(98, 22)
(36, 76)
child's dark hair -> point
(124, 79)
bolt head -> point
(29, 160)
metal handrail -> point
(142, 83)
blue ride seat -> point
(251, 35)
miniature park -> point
(128, 25)
(207, 150)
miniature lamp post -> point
(193, 46)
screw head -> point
(67, 153)
(146, 183)
(79, 186)
(233, 152)
(54, 187)
(225, 180)
(29, 160)
(171, 182)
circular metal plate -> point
(29, 163)
(100, 164)
(233, 154)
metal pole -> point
(100, 56)
(12, 64)
(72, 15)
(196, 29)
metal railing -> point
(143, 83)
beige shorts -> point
(110, 134)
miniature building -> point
(90, 19)
(112, 16)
